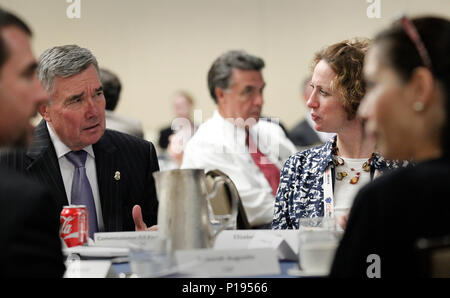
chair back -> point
(435, 256)
(221, 202)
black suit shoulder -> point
(136, 160)
(29, 229)
(123, 140)
(133, 149)
(13, 158)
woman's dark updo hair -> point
(401, 54)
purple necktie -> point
(81, 188)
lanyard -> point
(328, 197)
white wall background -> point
(160, 46)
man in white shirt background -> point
(249, 151)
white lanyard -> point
(328, 197)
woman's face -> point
(326, 107)
(387, 108)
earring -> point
(418, 106)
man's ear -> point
(43, 110)
(219, 94)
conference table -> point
(236, 254)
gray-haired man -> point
(83, 163)
(249, 151)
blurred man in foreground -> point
(29, 221)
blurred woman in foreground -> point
(406, 109)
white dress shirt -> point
(219, 144)
(68, 169)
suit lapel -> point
(107, 163)
(43, 163)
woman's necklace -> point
(341, 172)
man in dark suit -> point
(29, 221)
(108, 171)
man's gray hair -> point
(63, 61)
(219, 74)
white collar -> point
(61, 148)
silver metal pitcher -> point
(184, 212)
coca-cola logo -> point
(66, 226)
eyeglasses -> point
(412, 33)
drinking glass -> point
(151, 258)
(318, 241)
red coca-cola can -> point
(74, 225)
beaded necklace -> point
(339, 161)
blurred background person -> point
(111, 90)
(173, 156)
(406, 108)
(173, 138)
(183, 106)
(30, 245)
(322, 181)
(304, 135)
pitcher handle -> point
(221, 180)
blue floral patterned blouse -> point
(300, 193)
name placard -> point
(228, 263)
(123, 239)
(274, 241)
(242, 239)
(89, 269)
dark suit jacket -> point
(134, 158)
(303, 135)
(29, 229)
(164, 135)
